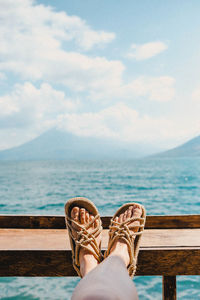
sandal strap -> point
(124, 231)
(85, 238)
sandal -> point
(124, 232)
(84, 237)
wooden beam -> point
(169, 287)
(173, 222)
(167, 262)
(58, 239)
(37, 222)
(58, 222)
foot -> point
(120, 247)
(86, 259)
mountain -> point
(188, 149)
(59, 145)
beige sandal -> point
(124, 232)
(84, 237)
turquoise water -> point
(163, 186)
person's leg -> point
(108, 280)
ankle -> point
(87, 263)
(120, 249)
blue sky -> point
(127, 70)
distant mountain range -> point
(188, 149)
(59, 145)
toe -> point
(75, 214)
(96, 223)
(87, 217)
(125, 215)
(82, 215)
(91, 218)
(129, 212)
(137, 210)
(121, 218)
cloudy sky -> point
(128, 70)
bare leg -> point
(108, 280)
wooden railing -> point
(39, 246)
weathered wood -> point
(46, 252)
(161, 262)
(173, 222)
(169, 262)
(169, 287)
(38, 246)
(58, 222)
(36, 263)
(23, 221)
(57, 239)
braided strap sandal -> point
(84, 237)
(124, 231)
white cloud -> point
(147, 50)
(35, 42)
(120, 122)
(11, 137)
(26, 18)
(2, 76)
(29, 111)
(159, 89)
(41, 45)
(196, 95)
(31, 107)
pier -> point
(39, 246)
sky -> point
(124, 70)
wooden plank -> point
(167, 262)
(169, 287)
(23, 221)
(58, 222)
(36, 263)
(45, 252)
(57, 239)
(171, 238)
(173, 222)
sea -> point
(163, 185)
